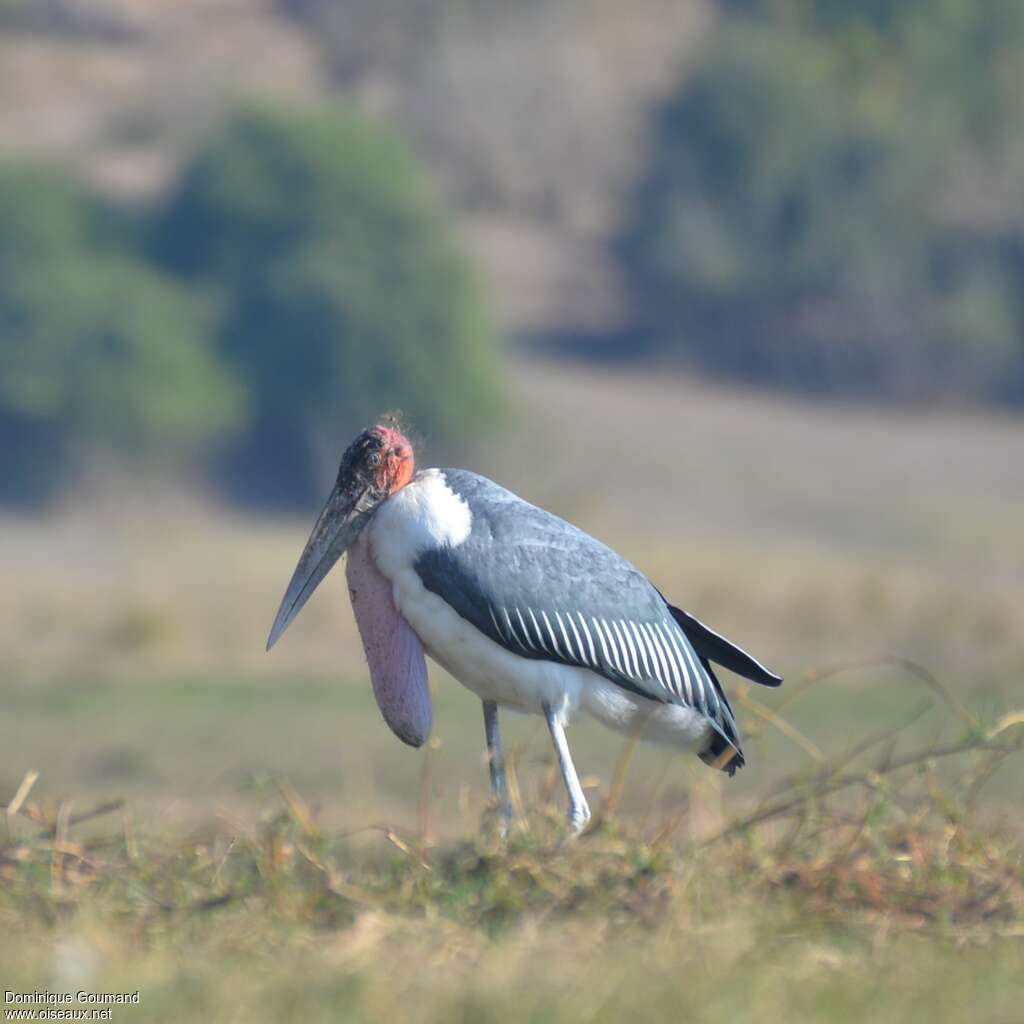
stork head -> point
(375, 465)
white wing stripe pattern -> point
(701, 694)
(551, 633)
(655, 670)
(622, 632)
(677, 656)
(590, 640)
(656, 653)
(601, 642)
(573, 654)
(526, 633)
(640, 652)
(647, 673)
(575, 633)
(631, 648)
(645, 650)
(680, 654)
(538, 634)
(508, 621)
(679, 669)
(673, 679)
(690, 666)
(618, 655)
(671, 656)
(612, 646)
(699, 676)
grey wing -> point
(544, 589)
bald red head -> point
(397, 462)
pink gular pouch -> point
(398, 667)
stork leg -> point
(579, 811)
(496, 761)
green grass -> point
(899, 905)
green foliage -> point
(342, 293)
(304, 283)
(96, 349)
(799, 220)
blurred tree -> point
(97, 350)
(342, 293)
(792, 224)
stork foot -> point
(579, 817)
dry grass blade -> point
(21, 794)
(618, 782)
(397, 841)
(96, 812)
(515, 793)
(300, 811)
(1008, 720)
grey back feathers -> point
(544, 589)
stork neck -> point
(424, 514)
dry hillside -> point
(531, 120)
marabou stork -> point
(521, 607)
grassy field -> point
(265, 850)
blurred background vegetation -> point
(295, 280)
(833, 202)
(224, 266)
(340, 291)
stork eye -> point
(374, 459)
